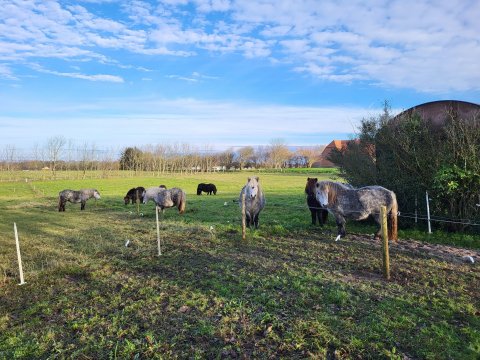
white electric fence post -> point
(18, 254)
(158, 232)
(428, 213)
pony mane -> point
(334, 188)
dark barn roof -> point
(436, 111)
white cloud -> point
(6, 72)
(382, 42)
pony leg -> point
(322, 216)
(340, 220)
(313, 212)
(82, 206)
(378, 233)
(255, 220)
(247, 218)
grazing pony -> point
(151, 192)
(254, 200)
(208, 188)
(169, 198)
(358, 204)
(134, 194)
(80, 196)
(317, 212)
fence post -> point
(17, 242)
(158, 231)
(428, 213)
(243, 217)
(386, 256)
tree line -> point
(186, 158)
(58, 153)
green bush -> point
(411, 155)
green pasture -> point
(287, 291)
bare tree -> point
(310, 153)
(260, 156)
(55, 147)
(9, 154)
(87, 155)
(278, 153)
(226, 158)
(245, 154)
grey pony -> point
(164, 198)
(80, 196)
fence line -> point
(400, 214)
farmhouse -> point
(322, 160)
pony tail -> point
(393, 224)
(182, 203)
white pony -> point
(254, 200)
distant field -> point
(287, 291)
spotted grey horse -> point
(358, 204)
(164, 198)
(73, 196)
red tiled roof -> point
(335, 144)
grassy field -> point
(288, 291)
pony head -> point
(251, 189)
(322, 193)
(96, 194)
(310, 188)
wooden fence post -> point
(17, 242)
(386, 256)
(244, 225)
(158, 231)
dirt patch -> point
(438, 251)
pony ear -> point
(249, 179)
(256, 178)
(316, 179)
(308, 179)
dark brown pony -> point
(134, 194)
(317, 212)
(358, 204)
(208, 188)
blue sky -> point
(222, 73)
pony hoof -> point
(338, 237)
